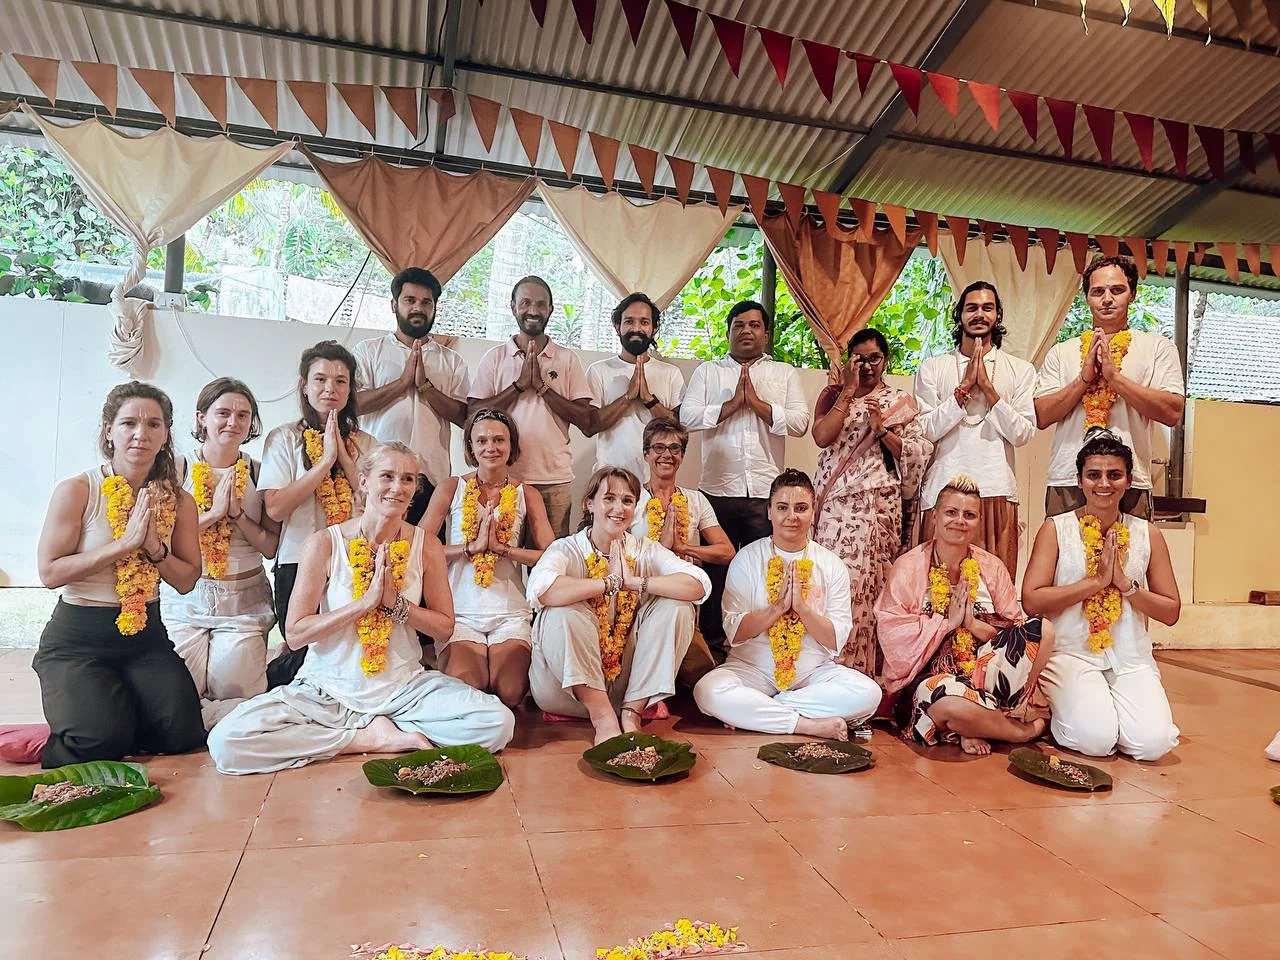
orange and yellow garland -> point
(215, 539)
(613, 636)
(940, 599)
(1099, 398)
(485, 562)
(334, 492)
(788, 630)
(656, 516)
(1103, 608)
(136, 577)
(374, 627)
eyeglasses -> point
(661, 448)
(873, 360)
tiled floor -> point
(923, 856)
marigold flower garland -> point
(136, 577)
(1099, 398)
(656, 517)
(787, 632)
(940, 599)
(485, 561)
(684, 938)
(374, 627)
(1104, 607)
(407, 951)
(613, 636)
(215, 539)
(334, 492)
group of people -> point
(790, 605)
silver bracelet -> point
(644, 588)
(400, 612)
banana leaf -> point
(1275, 794)
(484, 775)
(783, 755)
(1035, 764)
(676, 757)
(123, 788)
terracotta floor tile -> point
(1139, 937)
(313, 903)
(881, 865)
(19, 696)
(1158, 855)
(1256, 817)
(879, 949)
(15, 660)
(1241, 933)
(1202, 768)
(140, 907)
(780, 794)
(327, 803)
(605, 886)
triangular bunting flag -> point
(404, 103)
(539, 8)
(1212, 142)
(1244, 144)
(1230, 262)
(865, 210)
(778, 48)
(529, 130)
(681, 176)
(1160, 256)
(43, 73)
(897, 217)
(792, 201)
(1063, 114)
(732, 35)
(635, 11)
(1253, 257)
(646, 164)
(959, 229)
(265, 99)
(212, 92)
(1177, 133)
(1143, 129)
(313, 98)
(1181, 248)
(1200, 250)
(757, 194)
(928, 221)
(909, 82)
(722, 184)
(948, 90)
(158, 86)
(1049, 241)
(1138, 250)
(988, 229)
(565, 138)
(1102, 124)
(586, 13)
(1028, 107)
(1079, 244)
(359, 100)
(987, 96)
(828, 204)
(1110, 246)
(822, 60)
(605, 150)
(442, 97)
(102, 79)
(866, 66)
(1273, 256)
(1020, 238)
(484, 113)
(685, 19)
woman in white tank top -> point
(1086, 572)
(490, 517)
(110, 681)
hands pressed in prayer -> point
(803, 606)
(1107, 562)
(332, 441)
(525, 381)
(140, 521)
(1090, 370)
(420, 377)
(1106, 362)
(484, 522)
(645, 395)
(491, 541)
(958, 607)
(635, 386)
(668, 536)
(410, 377)
(1119, 579)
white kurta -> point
(622, 445)
(701, 515)
(742, 692)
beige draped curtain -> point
(154, 188)
(1035, 301)
(653, 248)
(837, 279)
(422, 216)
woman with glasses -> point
(873, 456)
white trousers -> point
(566, 652)
(296, 724)
(744, 696)
(1096, 709)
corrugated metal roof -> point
(1232, 216)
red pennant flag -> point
(1143, 129)
(1110, 246)
(897, 217)
(732, 34)
(828, 204)
(539, 8)
(635, 11)
(1273, 254)
(404, 103)
(1253, 257)
(1079, 244)
(1212, 142)
(1028, 107)
(792, 201)
(313, 98)
(605, 150)
(1138, 249)
(866, 66)
(1049, 241)
(359, 100)
(722, 184)
(158, 85)
(778, 47)
(43, 72)
(909, 82)
(929, 224)
(212, 92)
(1020, 238)
(1160, 256)
(565, 138)
(529, 130)
(685, 20)
(1102, 124)
(988, 229)
(865, 210)
(1230, 262)
(484, 113)
(646, 164)
(1274, 140)
(681, 176)
(959, 228)
(757, 194)
(948, 90)
(103, 80)
(442, 97)
(987, 96)
(1177, 132)
(1200, 251)
(265, 99)
(822, 60)
(586, 12)
(1248, 159)
(1181, 248)
(1063, 114)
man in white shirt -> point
(747, 404)
(544, 388)
(414, 387)
(1112, 377)
(632, 388)
(977, 403)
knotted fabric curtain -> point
(837, 278)
(154, 188)
(422, 216)
(653, 248)
(1035, 301)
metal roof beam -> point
(452, 18)
(1179, 210)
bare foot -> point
(828, 728)
(631, 719)
(383, 736)
(1038, 728)
(975, 746)
(606, 727)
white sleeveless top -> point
(485, 608)
(1130, 644)
(333, 664)
(242, 556)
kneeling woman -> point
(110, 681)
(786, 617)
(1086, 572)
(361, 689)
(616, 614)
(958, 651)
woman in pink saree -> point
(873, 457)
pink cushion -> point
(22, 742)
(561, 718)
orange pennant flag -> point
(1138, 248)
(1020, 238)
(1181, 250)
(1200, 251)
(987, 96)
(1110, 246)
(1160, 256)
(262, 94)
(359, 100)
(928, 221)
(681, 176)
(1049, 241)
(1273, 255)
(102, 79)
(404, 104)
(1079, 243)
(566, 139)
(529, 130)
(757, 194)
(722, 184)
(1230, 262)
(792, 201)
(313, 98)
(959, 229)
(646, 164)
(897, 217)
(866, 213)
(1253, 257)
(43, 73)
(988, 229)
(484, 113)
(828, 204)
(212, 92)
(605, 150)
(442, 97)
(158, 86)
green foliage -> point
(566, 328)
(916, 315)
(33, 275)
(1141, 313)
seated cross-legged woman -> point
(786, 616)
(1086, 572)
(356, 605)
(959, 654)
(616, 614)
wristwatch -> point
(651, 403)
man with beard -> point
(632, 388)
(544, 388)
(976, 405)
(747, 404)
(414, 386)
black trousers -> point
(108, 696)
(744, 520)
(287, 663)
